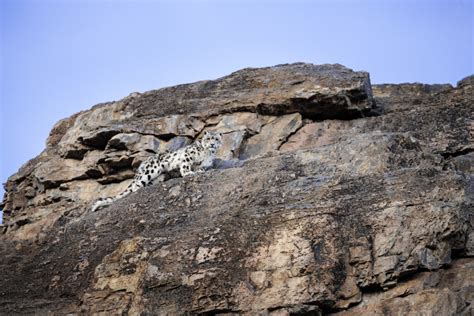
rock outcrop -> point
(329, 195)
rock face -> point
(329, 196)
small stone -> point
(63, 187)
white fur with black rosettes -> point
(194, 158)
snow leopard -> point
(194, 158)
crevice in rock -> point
(409, 275)
(309, 309)
(22, 221)
(325, 307)
(466, 310)
(334, 310)
(163, 137)
(242, 108)
(316, 110)
(209, 125)
(322, 107)
(457, 253)
(51, 184)
(75, 153)
(289, 135)
(371, 288)
(457, 153)
(99, 140)
(220, 311)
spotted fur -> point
(194, 158)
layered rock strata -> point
(329, 195)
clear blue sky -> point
(60, 57)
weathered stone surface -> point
(174, 116)
(50, 174)
(272, 135)
(400, 97)
(316, 134)
(320, 202)
(445, 124)
(313, 90)
(231, 145)
(241, 121)
(124, 141)
(448, 292)
(326, 90)
(170, 125)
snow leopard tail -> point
(143, 177)
(107, 201)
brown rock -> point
(241, 121)
(52, 173)
(316, 134)
(272, 135)
(338, 207)
(432, 293)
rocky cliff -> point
(329, 195)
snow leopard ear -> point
(206, 133)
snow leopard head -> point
(211, 140)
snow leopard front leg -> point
(185, 170)
(206, 164)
